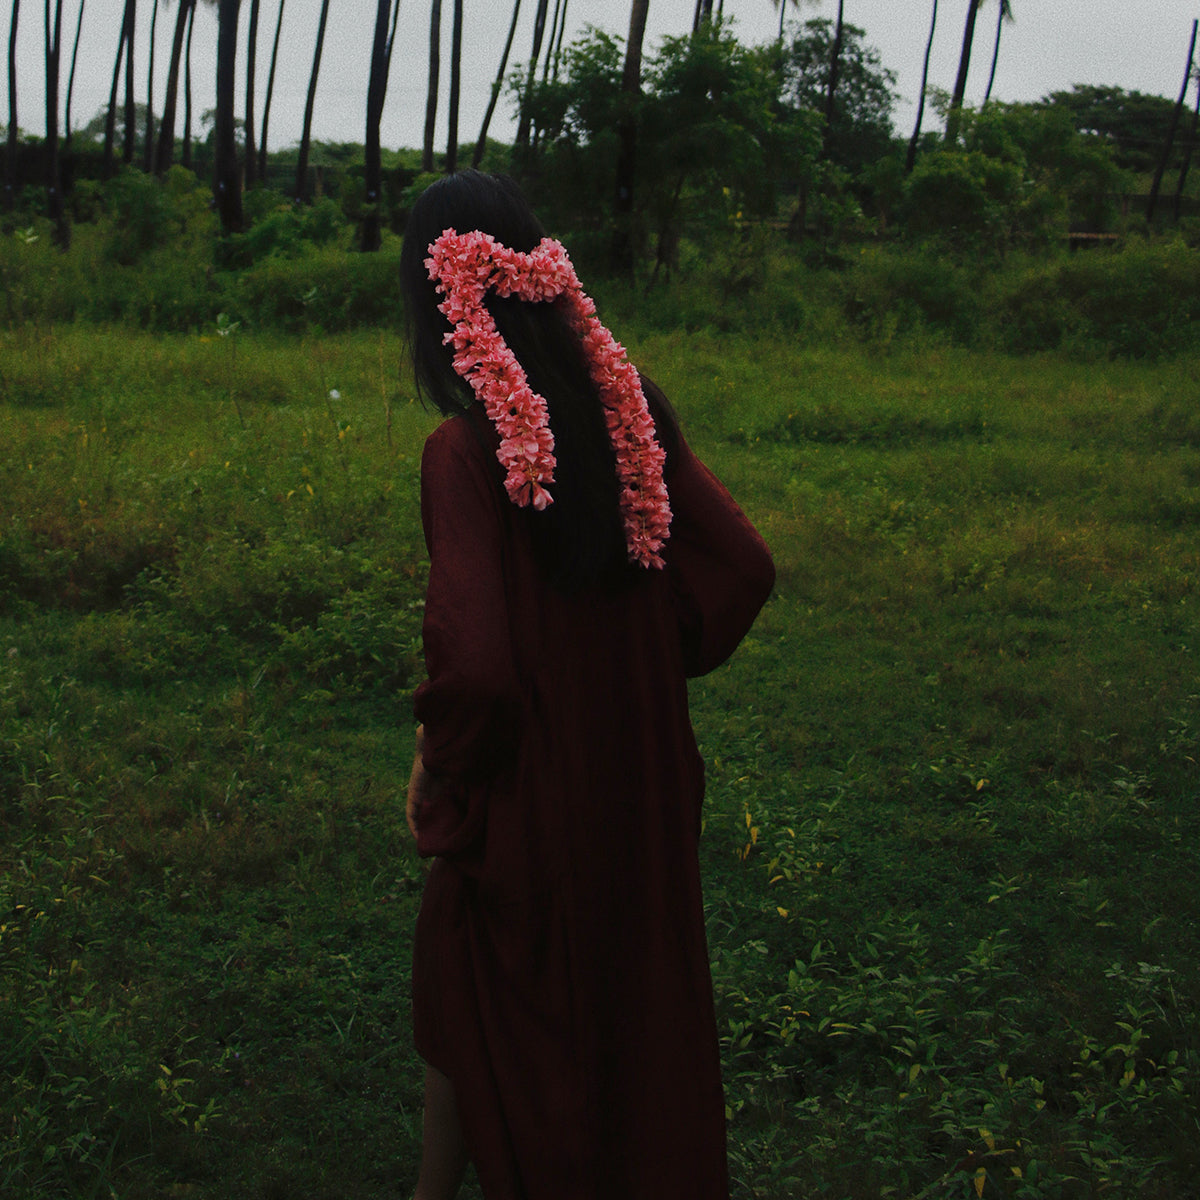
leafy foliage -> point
(1133, 124)
(863, 100)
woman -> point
(583, 564)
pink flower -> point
(465, 267)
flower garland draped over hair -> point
(465, 267)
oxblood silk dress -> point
(560, 970)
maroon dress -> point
(560, 970)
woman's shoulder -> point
(461, 437)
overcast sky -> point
(1135, 44)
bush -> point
(1139, 302)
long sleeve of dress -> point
(469, 701)
(721, 569)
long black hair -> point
(580, 538)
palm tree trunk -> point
(431, 95)
(1003, 11)
(835, 68)
(954, 117)
(539, 32)
(166, 127)
(148, 148)
(1175, 115)
(227, 188)
(10, 153)
(1189, 149)
(54, 199)
(71, 76)
(185, 156)
(251, 58)
(130, 102)
(910, 160)
(631, 87)
(550, 41)
(306, 134)
(110, 117)
(370, 236)
(562, 29)
(481, 144)
(262, 144)
(455, 86)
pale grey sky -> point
(1135, 44)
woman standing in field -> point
(583, 564)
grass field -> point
(950, 836)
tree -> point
(1003, 13)
(186, 156)
(858, 130)
(148, 144)
(370, 238)
(954, 116)
(1131, 123)
(248, 121)
(71, 76)
(558, 27)
(110, 122)
(539, 32)
(916, 133)
(481, 144)
(227, 189)
(782, 6)
(431, 95)
(55, 209)
(262, 149)
(306, 132)
(1176, 113)
(166, 127)
(835, 66)
(130, 101)
(455, 85)
(10, 154)
(631, 87)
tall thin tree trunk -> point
(392, 39)
(562, 29)
(835, 69)
(10, 153)
(130, 101)
(481, 144)
(1189, 148)
(148, 148)
(550, 40)
(431, 95)
(911, 158)
(71, 77)
(539, 31)
(185, 156)
(954, 116)
(1001, 13)
(455, 87)
(631, 87)
(251, 56)
(110, 117)
(227, 185)
(306, 134)
(131, 107)
(55, 209)
(1156, 186)
(166, 127)
(370, 235)
(262, 145)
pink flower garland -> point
(465, 267)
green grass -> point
(949, 840)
